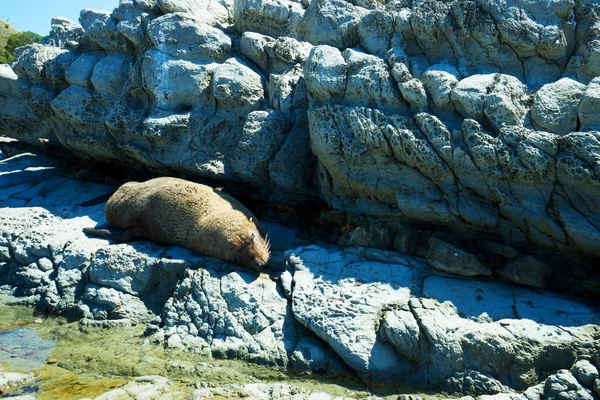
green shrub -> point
(17, 40)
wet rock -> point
(14, 379)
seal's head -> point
(253, 250)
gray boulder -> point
(210, 11)
(333, 23)
(187, 37)
(564, 386)
(65, 33)
(555, 106)
(101, 28)
(587, 110)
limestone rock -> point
(439, 80)
(342, 310)
(177, 85)
(585, 372)
(274, 18)
(66, 33)
(129, 269)
(217, 311)
(414, 93)
(500, 98)
(253, 45)
(264, 133)
(446, 257)
(555, 106)
(41, 63)
(564, 386)
(79, 107)
(333, 23)
(235, 86)
(110, 75)
(588, 107)
(375, 31)
(370, 83)
(211, 11)
(325, 74)
(525, 270)
(469, 95)
(132, 24)
(80, 71)
(384, 314)
(473, 382)
(187, 37)
(102, 30)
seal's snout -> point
(257, 265)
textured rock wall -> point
(473, 116)
(383, 315)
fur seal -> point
(172, 211)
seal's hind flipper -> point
(120, 235)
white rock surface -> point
(555, 106)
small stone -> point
(45, 264)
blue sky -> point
(35, 15)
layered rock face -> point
(383, 315)
(469, 119)
(473, 116)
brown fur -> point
(173, 211)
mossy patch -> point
(87, 362)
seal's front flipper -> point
(120, 235)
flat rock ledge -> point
(380, 314)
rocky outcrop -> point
(471, 117)
(383, 315)
(462, 134)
